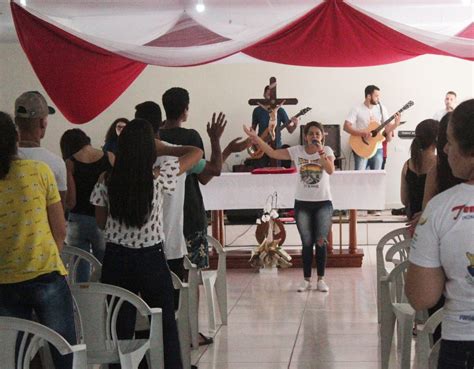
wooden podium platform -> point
(350, 190)
(239, 259)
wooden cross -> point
(273, 104)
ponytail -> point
(415, 153)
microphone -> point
(315, 142)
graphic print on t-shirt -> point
(310, 172)
(470, 268)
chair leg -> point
(194, 314)
(386, 336)
(221, 292)
(184, 339)
(406, 325)
(209, 284)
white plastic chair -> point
(182, 319)
(214, 283)
(395, 308)
(35, 336)
(71, 257)
(383, 256)
(427, 352)
(99, 305)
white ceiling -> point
(440, 16)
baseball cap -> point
(32, 104)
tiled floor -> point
(271, 326)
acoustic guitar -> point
(367, 147)
(268, 135)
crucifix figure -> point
(269, 117)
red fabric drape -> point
(336, 35)
(467, 32)
(81, 79)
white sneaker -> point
(322, 286)
(305, 286)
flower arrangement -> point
(270, 235)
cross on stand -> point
(272, 105)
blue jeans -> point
(314, 220)
(374, 163)
(50, 298)
(83, 233)
(144, 271)
(456, 355)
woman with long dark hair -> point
(442, 251)
(113, 133)
(313, 205)
(422, 159)
(128, 204)
(84, 165)
(440, 177)
(32, 231)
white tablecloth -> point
(350, 190)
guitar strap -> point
(382, 118)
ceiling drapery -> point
(101, 49)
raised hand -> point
(251, 133)
(216, 128)
(237, 146)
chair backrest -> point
(32, 336)
(99, 305)
(398, 252)
(427, 352)
(183, 294)
(386, 242)
(71, 257)
(396, 282)
(221, 252)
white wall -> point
(226, 87)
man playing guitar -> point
(261, 119)
(358, 120)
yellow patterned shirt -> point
(27, 246)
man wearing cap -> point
(31, 118)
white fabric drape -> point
(226, 27)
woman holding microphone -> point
(313, 206)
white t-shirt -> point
(313, 183)
(444, 238)
(151, 233)
(440, 114)
(360, 116)
(56, 164)
(175, 243)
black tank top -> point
(85, 177)
(416, 190)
